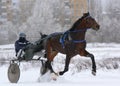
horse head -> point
(88, 22)
(85, 22)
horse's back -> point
(54, 42)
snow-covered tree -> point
(42, 19)
(50, 16)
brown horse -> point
(72, 43)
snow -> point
(101, 51)
(84, 78)
(30, 74)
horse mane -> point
(79, 21)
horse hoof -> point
(54, 76)
(94, 73)
(61, 73)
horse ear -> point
(86, 14)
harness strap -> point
(79, 30)
(78, 41)
(63, 37)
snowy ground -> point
(84, 78)
(30, 74)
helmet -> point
(22, 35)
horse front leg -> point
(67, 62)
(93, 63)
(87, 54)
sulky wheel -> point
(13, 73)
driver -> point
(20, 44)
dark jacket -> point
(20, 44)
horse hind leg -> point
(67, 62)
(50, 59)
(43, 69)
(46, 65)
